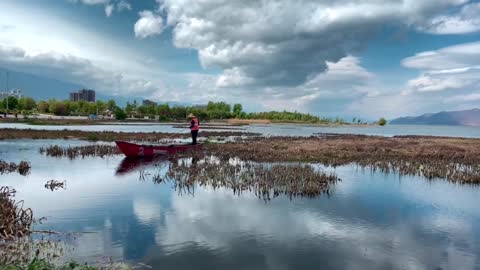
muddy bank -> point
(108, 135)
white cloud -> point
(272, 43)
(452, 57)
(466, 21)
(109, 9)
(123, 5)
(149, 24)
(451, 68)
(110, 5)
(463, 98)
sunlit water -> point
(281, 129)
(370, 221)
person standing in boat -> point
(194, 127)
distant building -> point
(74, 96)
(147, 102)
(12, 93)
(83, 95)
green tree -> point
(237, 110)
(111, 105)
(43, 106)
(130, 108)
(120, 114)
(12, 103)
(2, 105)
(59, 108)
(164, 112)
(382, 121)
(26, 104)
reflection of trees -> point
(266, 181)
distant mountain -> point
(455, 118)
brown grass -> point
(107, 135)
(236, 121)
(455, 159)
(14, 220)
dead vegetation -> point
(55, 185)
(22, 168)
(454, 159)
(109, 136)
(15, 222)
(72, 152)
(266, 181)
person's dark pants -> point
(194, 136)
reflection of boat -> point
(143, 150)
(131, 164)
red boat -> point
(143, 150)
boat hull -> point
(143, 150)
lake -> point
(281, 129)
(369, 220)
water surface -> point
(281, 129)
(370, 221)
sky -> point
(362, 58)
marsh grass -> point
(22, 168)
(15, 221)
(265, 181)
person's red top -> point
(194, 125)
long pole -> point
(6, 91)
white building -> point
(12, 93)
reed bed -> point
(22, 168)
(15, 222)
(454, 159)
(73, 152)
(109, 136)
(266, 181)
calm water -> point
(283, 130)
(371, 221)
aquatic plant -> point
(72, 152)
(14, 220)
(266, 181)
(453, 159)
(22, 168)
(55, 185)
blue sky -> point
(346, 58)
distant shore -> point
(76, 121)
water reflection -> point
(371, 221)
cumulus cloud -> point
(149, 24)
(272, 43)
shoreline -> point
(109, 136)
(213, 122)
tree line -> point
(162, 112)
